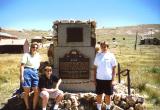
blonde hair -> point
(97, 47)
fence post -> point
(128, 77)
(119, 70)
(129, 82)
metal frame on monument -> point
(74, 65)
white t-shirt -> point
(31, 61)
(104, 62)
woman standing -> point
(29, 75)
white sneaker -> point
(55, 107)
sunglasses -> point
(48, 70)
(34, 47)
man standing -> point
(50, 54)
(47, 91)
(104, 69)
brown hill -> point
(125, 30)
(26, 33)
(130, 30)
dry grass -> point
(9, 75)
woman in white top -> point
(29, 74)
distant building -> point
(7, 36)
(48, 38)
(37, 39)
(149, 41)
(14, 46)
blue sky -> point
(40, 14)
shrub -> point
(154, 70)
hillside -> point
(130, 30)
(26, 33)
(126, 30)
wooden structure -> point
(7, 36)
(48, 38)
(14, 46)
(37, 39)
(149, 41)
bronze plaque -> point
(74, 66)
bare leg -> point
(45, 98)
(35, 98)
(59, 98)
(26, 96)
(99, 101)
(107, 101)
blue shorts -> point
(31, 78)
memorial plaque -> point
(74, 66)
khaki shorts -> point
(53, 95)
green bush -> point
(154, 70)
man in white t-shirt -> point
(104, 69)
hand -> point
(53, 90)
(56, 88)
(114, 83)
(95, 83)
(22, 79)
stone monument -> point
(74, 54)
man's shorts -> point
(31, 78)
(52, 95)
(104, 86)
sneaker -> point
(55, 107)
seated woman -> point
(47, 91)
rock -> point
(85, 101)
(124, 105)
(120, 88)
(67, 104)
(140, 100)
(131, 108)
(81, 107)
(131, 100)
(116, 108)
(15, 103)
(74, 102)
(123, 97)
(67, 96)
(140, 106)
(117, 99)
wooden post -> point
(129, 82)
(119, 74)
(135, 45)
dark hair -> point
(47, 65)
(104, 42)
